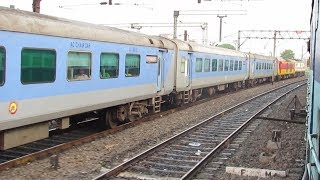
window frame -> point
(204, 65)
(199, 70)
(226, 65)
(184, 66)
(231, 65)
(4, 65)
(90, 75)
(125, 61)
(236, 64)
(259, 66)
(222, 65)
(240, 65)
(216, 65)
(40, 49)
(110, 53)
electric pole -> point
(36, 6)
(175, 23)
(220, 32)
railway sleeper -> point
(173, 161)
(203, 176)
(177, 156)
(188, 146)
(167, 166)
(186, 152)
(153, 171)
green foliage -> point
(227, 46)
(287, 54)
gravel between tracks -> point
(290, 157)
(86, 161)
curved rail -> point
(135, 160)
(206, 159)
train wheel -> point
(109, 120)
(132, 118)
(211, 91)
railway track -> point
(60, 142)
(186, 155)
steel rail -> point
(116, 170)
(219, 147)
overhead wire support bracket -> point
(272, 34)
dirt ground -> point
(89, 160)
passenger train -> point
(312, 168)
(55, 69)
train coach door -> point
(160, 71)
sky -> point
(259, 15)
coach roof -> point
(29, 22)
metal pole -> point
(239, 40)
(175, 22)
(220, 33)
(274, 43)
(204, 33)
(36, 6)
(185, 35)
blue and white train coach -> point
(57, 69)
(52, 69)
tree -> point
(287, 54)
(227, 46)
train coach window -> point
(214, 65)
(2, 65)
(240, 65)
(206, 65)
(236, 64)
(226, 65)
(79, 66)
(198, 65)
(109, 65)
(132, 65)
(231, 65)
(182, 66)
(220, 64)
(38, 66)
